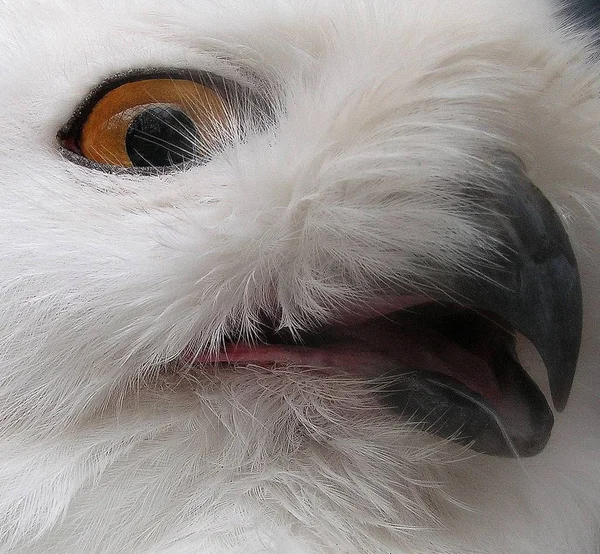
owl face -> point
(294, 262)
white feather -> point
(382, 108)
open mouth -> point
(453, 366)
(445, 366)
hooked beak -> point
(531, 286)
(535, 285)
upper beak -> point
(533, 282)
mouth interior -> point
(447, 339)
(451, 368)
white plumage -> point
(380, 109)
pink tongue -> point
(372, 348)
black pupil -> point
(161, 135)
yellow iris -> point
(150, 120)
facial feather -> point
(380, 115)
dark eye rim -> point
(69, 134)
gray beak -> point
(530, 285)
(534, 283)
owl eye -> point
(151, 122)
